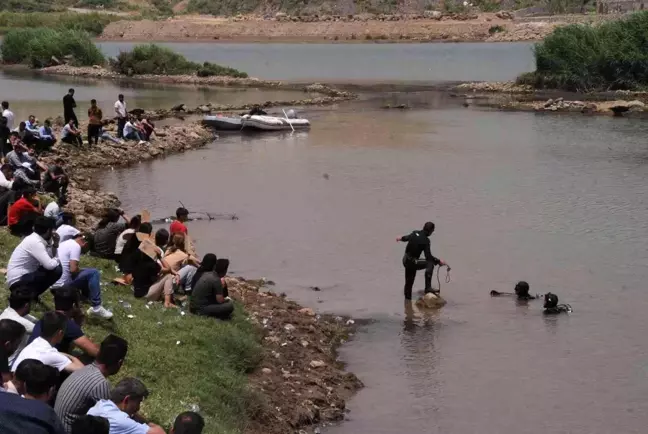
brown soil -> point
(300, 376)
(259, 30)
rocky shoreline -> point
(300, 380)
(510, 96)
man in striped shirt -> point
(84, 388)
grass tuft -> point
(206, 369)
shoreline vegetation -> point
(585, 58)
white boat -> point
(223, 123)
(272, 123)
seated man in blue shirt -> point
(46, 135)
(124, 403)
(66, 301)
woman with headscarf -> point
(208, 296)
(148, 262)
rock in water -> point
(430, 301)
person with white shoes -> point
(86, 280)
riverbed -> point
(555, 200)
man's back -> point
(417, 241)
(26, 416)
(80, 392)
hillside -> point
(151, 8)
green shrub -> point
(610, 56)
(154, 59)
(92, 23)
(223, 7)
(37, 46)
(211, 69)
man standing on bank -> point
(122, 115)
(419, 242)
(69, 104)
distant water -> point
(361, 62)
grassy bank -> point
(93, 23)
(584, 58)
(184, 360)
(157, 60)
(37, 46)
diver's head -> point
(551, 301)
(428, 228)
(522, 289)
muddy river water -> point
(560, 201)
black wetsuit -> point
(417, 243)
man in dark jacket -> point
(69, 104)
(419, 242)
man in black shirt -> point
(69, 104)
(419, 242)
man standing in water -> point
(419, 242)
(69, 104)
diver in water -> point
(521, 292)
(551, 306)
(419, 242)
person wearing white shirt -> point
(87, 280)
(122, 115)
(6, 173)
(18, 310)
(31, 264)
(43, 348)
(8, 114)
(67, 231)
(125, 400)
(131, 132)
(52, 210)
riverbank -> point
(510, 96)
(271, 369)
(431, 26)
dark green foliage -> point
(610, 56)
(496, 29)
(154, 59)
(36, 47)
(93, 23)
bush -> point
(157, 60)
(611, 56)
(93, 23)
(37, 46)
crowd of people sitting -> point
(45, 388)
(70, 394)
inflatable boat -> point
(223, 123)
(272, 123)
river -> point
(559, 201)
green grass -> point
(93, 23)
(208, 368)
(154, 59)
(36, 47)
(610, 56)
